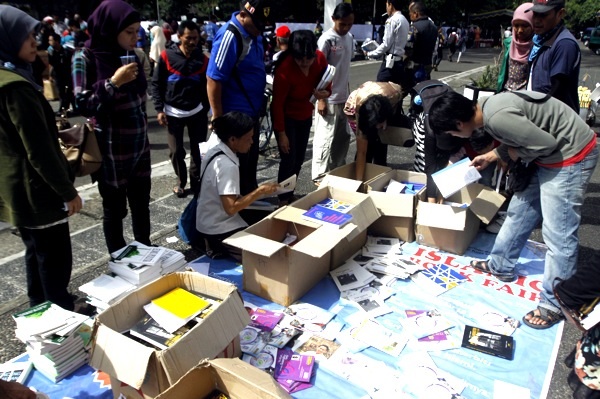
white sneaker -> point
(496, 224)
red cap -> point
(283, 32)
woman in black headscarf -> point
(110, 86)
(36, 184)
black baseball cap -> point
(259, 11)
(543, 6)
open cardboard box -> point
(233, 377)
(397, 210)
(344, 177)
(153, 370)
(278, 272)
(451, 228)
(347, 240)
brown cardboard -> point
(353, 235)
(151, 388)
(278, 272)
(141, 366)
(397, 210)
(233, 377)
(344, 177)
(453, 229)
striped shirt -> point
(120, 121)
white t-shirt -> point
(221, 178)
(338, 50)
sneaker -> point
(496, 224)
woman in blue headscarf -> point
(110, 87)
(36, 184)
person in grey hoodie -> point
(545, 131)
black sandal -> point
(483, 266)
(546, 315)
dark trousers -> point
(197, 127)
(216, 245)
(114, 204)
(48, 263)
(65, 93)
(377, 152)
(394, 74)
(297, 133)
(249, 164)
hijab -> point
(159, 41)
(519, 51)
(104, 25)
(15, 27)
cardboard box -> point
(152, 370)
(344, 177)
(350, 238)
(397, 210)
(233, 377)
(452, 228)
(233, 350)
(278, 272)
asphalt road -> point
(89, 251)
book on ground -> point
(489, 342)
(293, 366)
(15, 371)
(139, 255)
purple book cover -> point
(292, 366)
(327, 215)
(265, 319)
(438, 336)
(292, 386)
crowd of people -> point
(104, 74)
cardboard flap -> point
(486, 205)
(323, 240)
(341, 182)
(294, 215)
(255, 243)
(441, 216)
(400, 205)
(128, 365)
(255, 383)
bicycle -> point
(266, 127)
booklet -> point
(253, 340)
(379, 337)
(423, 323)
(488, 342)
(350, 276)
(327, 216)
(264, 360)
(326, 79)
(456, 176)
(293, 366)
(285, 186)
(318, 347)
(491, 319)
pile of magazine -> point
(170, 316)
(139, 264)
(105, 290)
(57, 340)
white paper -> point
(503, 390)
(351, 276)
(456, 176)
(395, 187)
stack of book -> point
(172, 261)
(137, 263)
(171, 316)
(57, 340)
(105, 290)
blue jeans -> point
(554, 196)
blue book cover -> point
(322, 214)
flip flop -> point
(483, 266)
(550, 317)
